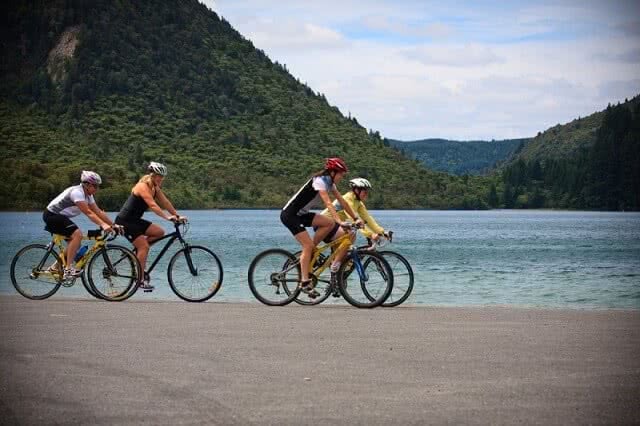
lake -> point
(558, 259)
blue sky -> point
(456, 69)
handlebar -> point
(100, 235)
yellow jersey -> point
(371, 226)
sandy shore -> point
(82, 361)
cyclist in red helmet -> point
(296, 215)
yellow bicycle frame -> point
(58, 241)
(344, 242)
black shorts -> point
(58, 224)
(133, 228)
(331, 233)
(295, 223)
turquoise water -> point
(460, 258)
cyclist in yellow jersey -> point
(355, 199)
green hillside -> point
(590, 163)
(460, 157)
(110, 85)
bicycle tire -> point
(87, 286)
(402, 278)
(113, 272)
(268, 276)
(373, 288)
(208, 273)
(26, 273)
(323, 287)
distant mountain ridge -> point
(460, 157)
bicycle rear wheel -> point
(274, 277)
(402, 278)
(30, 274)
(195, 274)
(113, 273)
(365, 279)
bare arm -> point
(84, 208)
(144, 191)
(100, 213)
(164, 202)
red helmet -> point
(336, 164)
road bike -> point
(364, 278)
(402, 271)
(194, 272)
(37, 270)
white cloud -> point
(453, 55)
(420, 69)
(284, 35)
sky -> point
(461, 70)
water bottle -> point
(81, 251)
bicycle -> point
(274, 275)
(402, 271)
(37, 270)
(194, 272)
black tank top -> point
(133, 208)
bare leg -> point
(307, 248)
(153, 233)
(342, 252)
(142, 250)
(324, 225)
(72, 246)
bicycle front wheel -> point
(113, 272)
(36, 272)
(365, 279)
(274, 277)
(402, 278)
(195, 274)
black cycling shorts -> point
(295, 223)
(133, 228)
(58, 224)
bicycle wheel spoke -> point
(402, 278)
(367, 284)
(112, 272)
(36, 273)
(195, 274)
(274, 276)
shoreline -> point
(406, 305)
(86, 361)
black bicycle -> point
(194, 272)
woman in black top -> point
(143, 196)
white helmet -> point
(360, 183)
(157, 168)
(90, 177)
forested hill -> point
(590, 163)
(460, 157)
(110, 85)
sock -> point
(335, 265)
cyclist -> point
(146, 194)
(295, 214)
(70, 203)
(355, 199)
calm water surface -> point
(524, 258)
